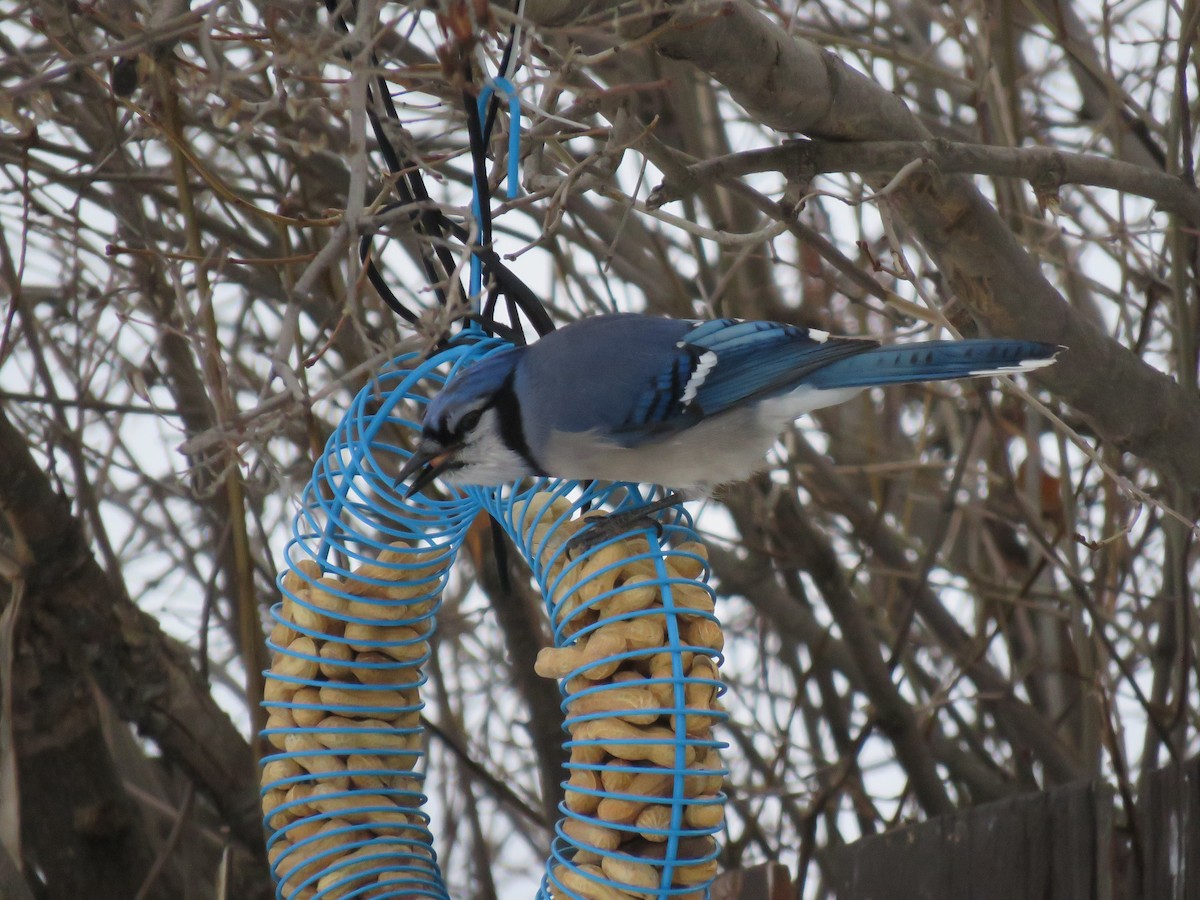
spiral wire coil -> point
(365, 571)
(614, 833)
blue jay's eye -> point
(469, 421)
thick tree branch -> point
(523, 627)
(1045, 168)
(147, 677)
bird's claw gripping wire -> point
(602, 529)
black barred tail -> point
(933, 361)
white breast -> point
(720, 449)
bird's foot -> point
(601, 529)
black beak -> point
(433, 458)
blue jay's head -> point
(464, 434)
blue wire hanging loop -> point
(503, 87)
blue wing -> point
(637, 378)
(720, 364)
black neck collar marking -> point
(511, 429)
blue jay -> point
(683, 404)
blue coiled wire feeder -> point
(636, 646)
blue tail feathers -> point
(933, 361)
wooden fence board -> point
(766, 881)
(1055, 844)
(1170, 833)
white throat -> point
(486, 459)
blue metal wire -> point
(365, 570)
(674, 738)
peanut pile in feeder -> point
(343, 703)
(637, 663)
